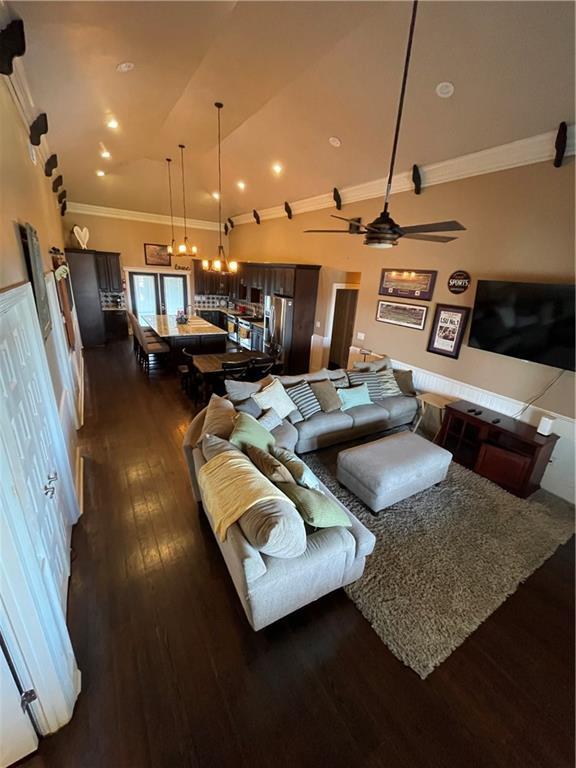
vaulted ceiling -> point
(291, 75)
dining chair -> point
(259, 368)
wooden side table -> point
(432, 400)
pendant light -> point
(183, 247)
(220, 264)
(168, 163)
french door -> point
(157, 294)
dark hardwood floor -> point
(174, 676)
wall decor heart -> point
(82, 235)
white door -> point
(17, 736)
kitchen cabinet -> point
(85, 284)
(209, 283)
(115, 324)
(108, 271)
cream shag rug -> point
(445, 559)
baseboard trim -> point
(79, 480)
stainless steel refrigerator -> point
(280, 327)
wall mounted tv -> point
(530, 321)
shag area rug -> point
(445, 559)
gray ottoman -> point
(393, 468)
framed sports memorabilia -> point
(448, 330)
(408, 283)
(407, 315)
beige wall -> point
(25, 196)
(128, 238)
(520, 226)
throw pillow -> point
(405, 382)
(326, 395)
(249, 406)
(389, 383)
(286, 435)
(295, 417)
(354, 396)
(247, 431)
(238, 391)
(373, 381)
(270, 419)
(304, 399)
(219, 419)
(213, 446)
(275, 528)
(373, 365)
(274, 396)
(300, 471)
(317, 509)
(270, 467)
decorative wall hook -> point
(225, 228)
(63, 208)
(417, 179)
(337, 199)
(12, 44)
(38, 128)
(62, 196)
(50, 165)
(58, 181)
(288, 210)
(256, 216)
(560, 145)
(231, 223)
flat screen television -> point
(530, 321)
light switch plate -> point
(317, 323)
(360, 336)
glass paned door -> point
(144, 290)
(173, 294)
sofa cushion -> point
(286, 435)
(373, 365)
(274, 396)
(249, 406)
(304, 399)
(326, 395)
(274, 528)
(269, 419)
(321, 375)
(399, 406)
(323, 423)
(247, 431)
(238, 391)
(300, 471)
(372, 379)
(213, 446)
(369, 414)
(317, 509)
(270, 467)
(354, 396)
(220, 415)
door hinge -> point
(27, 698)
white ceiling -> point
(290, 74)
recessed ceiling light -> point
(105, 154)
(241, 185)
(112, 123)
(215, 195)
(335, 141)
(277, 168)
(445, 90)
(100, 173)
(125, 66)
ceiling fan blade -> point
(430, 238)
(343, 218)
(324, 231)
(437, 226)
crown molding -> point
(535, 149)
(142, 216)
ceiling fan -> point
(384, 232)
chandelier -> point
(184, 248)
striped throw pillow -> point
(304, 399)
(373, 381)
(389, 383)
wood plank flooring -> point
(173, 676)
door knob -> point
(52, 477)
(49, 491)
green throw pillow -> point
(297, 468)
(247, 431)
(317, 509)
(354, 396)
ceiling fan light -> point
(379, 244)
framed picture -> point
(396, 313)
(408, 283)
(156, 255)
(448, 330)
(35, 265)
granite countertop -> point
(166, 326)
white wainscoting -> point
(559, 477)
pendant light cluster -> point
(220, 264)
(184, 248)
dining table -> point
(208, 365)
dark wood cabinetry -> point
(115, 324)
(507, 451)
(210, 283)
(108, 271)
(267, 278)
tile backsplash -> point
(219, 302)
(112, 300)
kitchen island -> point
(196, 336)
